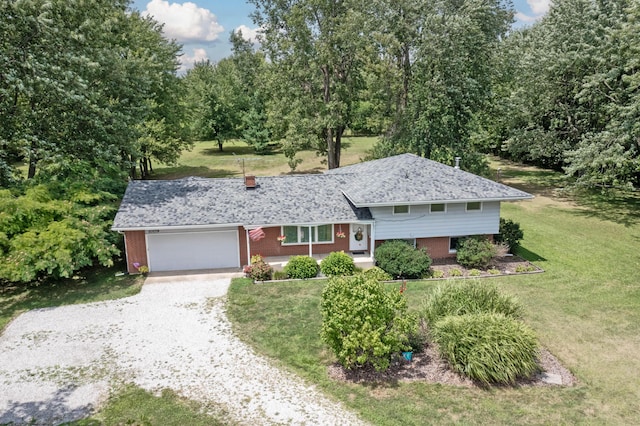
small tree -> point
(364, 323)
(400, 259)
(510, 233)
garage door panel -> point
(193, 250)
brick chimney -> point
(250, 182)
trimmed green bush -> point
(377, 274)
(363, 322)
(401, 260)
(338, 263)
(475, 252)
(487, 347)
(280, 275)
(468, 297)
(301, 267)
(510, 233)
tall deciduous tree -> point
(444, 52)
(76, 80)
(316, 49)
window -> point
(400, 209)
(437, 208)
(453, 244)
(475, 206)
(300, 234)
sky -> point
(203, 26)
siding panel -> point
(420, 223)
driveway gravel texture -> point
(60, 364)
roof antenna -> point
(457, 163)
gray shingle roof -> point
(410, 179)
(303, 199)
(279, 200)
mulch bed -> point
(427, 366)
(510, 265)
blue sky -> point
(203, 26)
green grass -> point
(135, 406)
(205, 160)
(585, 309)
(90, 285)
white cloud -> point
(526, 18)
(185, 22)
(539, 7)
(249, 34)
(187, 61)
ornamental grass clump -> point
(301, 267)
(468, 297)
(488, 347)
(365, 323)
(338, 263)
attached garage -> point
(188, 250)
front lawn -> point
(585, 309)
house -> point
(198, 223)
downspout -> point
(246, 231)
(373, 240)
(310, 243)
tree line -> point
(90, 95)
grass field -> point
(205, 160)
(585, 310)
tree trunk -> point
(33, 160)
(220, 145)
(331, 149)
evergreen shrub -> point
(401, 260)
(301, 267)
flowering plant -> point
(282, 238)
(143, 269)
(340, 234)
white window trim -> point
(393, 210)
(442, 212)
(466, 207)
(314, 229)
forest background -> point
(90, 96)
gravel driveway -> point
(59, 364)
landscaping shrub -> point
(487, 347)
(301, 267)
(377, 274)
(402, 260)
(468, 297)
(455, 272)
(474, 273)
(259, 270)
(510, 233)
(437, 274)
(338, 263)
(475, 252)
(363, 322)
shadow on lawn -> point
(615, 206)
(529, 255)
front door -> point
(358, 237)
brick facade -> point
(437, 247)
(136, 247)
(270, 246)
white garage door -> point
(178, 251)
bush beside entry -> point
(364, 323)
(301, 267)
(338, 263)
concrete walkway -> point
(60, 364)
